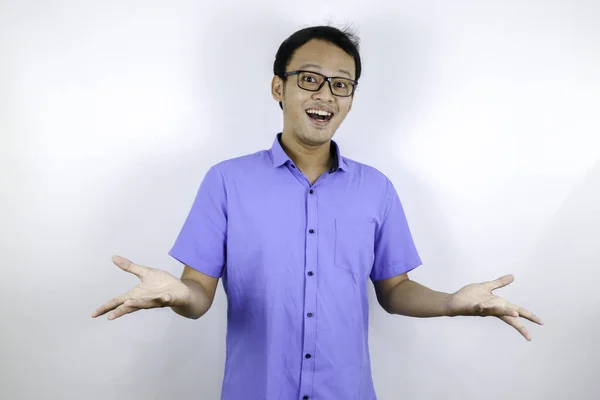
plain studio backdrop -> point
(484, 114)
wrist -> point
(194, 301)
(447, 310)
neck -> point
(307, 157)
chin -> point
(320, 135)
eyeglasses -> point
(313, 82)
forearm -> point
(415, 300)
(199, 303)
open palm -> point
(477, 299)
(157, 289)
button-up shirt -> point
(295, 260)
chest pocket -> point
(354, 245)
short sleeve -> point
(201, 243)
(395, 250)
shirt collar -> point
(280, 157)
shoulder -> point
(243, 164)
(367, 174)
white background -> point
(483, 113)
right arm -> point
(190, 296)
(201, 242)
(202, 290)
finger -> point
(527, 314)
(500, 282)
(121, 310)
(109, 306)
(478, 308)
(516, 323)
(150, 302)
(126, 265)
(498, 311)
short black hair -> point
(344, 39)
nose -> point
(324, 94)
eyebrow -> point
(343, 71)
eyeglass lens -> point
(311, 81)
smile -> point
(319, 115)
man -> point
(295, 232)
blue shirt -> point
(295, 260)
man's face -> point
(329, 60)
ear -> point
(277, 88)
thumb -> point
(120, 261)
(500, 282)
(174, 299)
(170, 300)
(128, 266)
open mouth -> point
(319, 116)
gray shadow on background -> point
(566, 260)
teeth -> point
(319, 112)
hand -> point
(157, 289)
(477, 299)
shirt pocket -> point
(354, 245)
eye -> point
(306, 79)
(341, 85)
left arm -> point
(399, 295)
(396, 255)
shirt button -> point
(305, 398)
(310, 273)
(311, 231)
(311, 191)
(309, 314)
(307, 356)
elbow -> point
(384, 303)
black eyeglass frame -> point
(325, 79)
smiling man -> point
(296, 232)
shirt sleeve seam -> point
(393, 270)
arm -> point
(202, 289)
(201, 243)
(190, 296)
(399, 295)
(396, 254)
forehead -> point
(323, 57)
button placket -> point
(310, 295)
